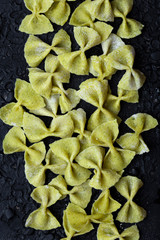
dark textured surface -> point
(15, 200)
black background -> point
(15, 201)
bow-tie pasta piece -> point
(36, 50)
(51, 108)
(76, 61)
(117, 159)
(92, 158)
(26, 96)
(139, 123)
(36, 23)
(36, 173)
(84, 16)
(123, 59)
(44, 82)
(112, 43)
(56, 165)
(79, 195)
(103, 10)
(36, 130)
(99, 68)
(105, 203)
(79, 120)
(85, 140)
(129, 28)
(101, 218)
(15, 141)
(67, 150)
(86, 13)
(42, 218)
(59, 12)
(12, 113)
(70, 232)
(68, 100)
(95, 93)
(99, 65)
(110, 232)
(113, 102)
(52, 65)
(79, 220)
(103, 29)
(105, 135)
(130, 212)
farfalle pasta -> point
(51, 107)
(15, 141)
(112, 43)
(105, 203)
(110, 232)
(37, 23)
(76, 61)
(103, 10)
(42, 218)
(59, 12)
(130, 212)
(87, 156)
(79, 120)
(95, 92)
(82, 16)
(12, 113)
(99, 65)
(36, 130)
(129, 28)
(103, 29)
(99, 68)
(88, 11)
(139, 123)
(66, 151)
(93, 158)
(69, 231)
(45, 82)
(123, 59)
(78, 220)
(79, 195)
(68, 100)
(105, 135)
(113, 102)
(36, 171)
(36, 50)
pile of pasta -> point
(85, 154)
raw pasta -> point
(87, 156)
(42, 218)
(130, 212)
(37, 23)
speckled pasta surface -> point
(16, 205)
